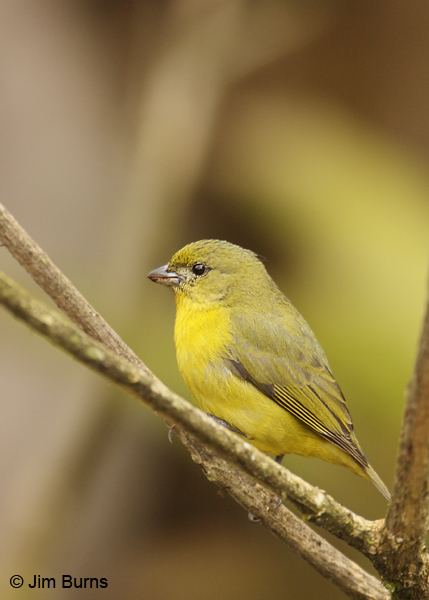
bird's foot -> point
(277, 500)
(253, 518)
(170, 433)
(275, 503)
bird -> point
(252, 362)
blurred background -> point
(297, 129)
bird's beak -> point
(164, 276)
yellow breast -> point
(201, 336)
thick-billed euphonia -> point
(252, 361)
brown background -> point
(127, 129)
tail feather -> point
(375, 479)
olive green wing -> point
(278, 354)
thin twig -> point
(253, 495)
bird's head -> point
(213, 271)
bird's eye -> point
(199, 269)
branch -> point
(316, 504)
(252, 494)
(406, 525)
(255, 497)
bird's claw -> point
(170, 433)
(276, 503)
(253, 518)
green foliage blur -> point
(298, 130)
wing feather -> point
(279, 355)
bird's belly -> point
(269, 427)
(262, 422)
